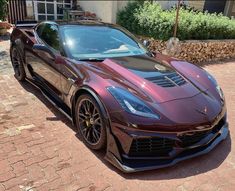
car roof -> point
(78, 22)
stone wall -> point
(197, 51)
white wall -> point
(197, 4)
(121, 4)
(171, 3)
(29, 9)
(193, 3)
(105, 10)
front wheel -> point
(17, 64)
(90, 122)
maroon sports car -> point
(147, 110)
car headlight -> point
(218, 88)
(220, 91)
(131, 103)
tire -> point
(90, 122)
(17, 64)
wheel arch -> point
(18, 44)
(93, 93)
(112, 142)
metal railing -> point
(16, 10)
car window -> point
(39, 29)
(50, 35)
(99, 42)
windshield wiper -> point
(116, 52)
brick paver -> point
(39, 149)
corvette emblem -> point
(204, 111)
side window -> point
(50, 35)
(39, 29)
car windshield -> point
(99, 42)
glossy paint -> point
(194, 106)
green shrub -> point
(149, 19)
(3, 9)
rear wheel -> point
(90, 122)
(17, 64)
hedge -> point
(3, 9)
(149, 19)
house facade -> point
(107, 10)
(47, 9)
(227, 7)
(53, 9)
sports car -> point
(146, 109)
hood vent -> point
(168, 80)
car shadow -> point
(3, 54)
(183, 169)
(187, 168)
(58, 116)
(5, 37)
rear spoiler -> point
(26, 23)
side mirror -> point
(146, 43)
(42, 48)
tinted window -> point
(99, 42)
(39, 29)
(50, 35)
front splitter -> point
(143, 165)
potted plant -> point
(4, 26)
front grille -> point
(168, 80)
(217, 127)
(160, 147)
(190, 139)
(151, 147)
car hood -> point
(151, 79)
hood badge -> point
(204, 111)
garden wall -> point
(197, 51)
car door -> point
(44, 66)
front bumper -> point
(128, 165)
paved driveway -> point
(39, 149)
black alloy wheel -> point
(17, 64)
(90, 122)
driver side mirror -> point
(44, 49)
(146, 43)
